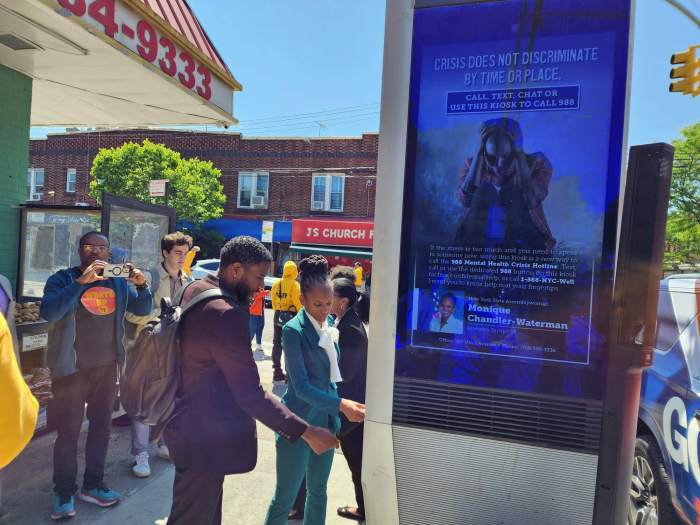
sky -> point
(314, 67)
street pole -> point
(685, 11)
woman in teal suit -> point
(311, 355)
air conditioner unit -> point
(36, 196)
(259, 202)
(317, 205)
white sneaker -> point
(141, 468)
(259, 348)
(163, 452)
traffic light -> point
(688, 72)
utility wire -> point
(298, 116)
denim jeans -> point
(257, 323)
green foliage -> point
(683, 225)
(682, 240)
(209, 242)
(195, 191)
(685, 184)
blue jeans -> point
(257, 323)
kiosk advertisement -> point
(516, 125)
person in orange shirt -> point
(257, 317)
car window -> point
(676, 311)
(214, 265)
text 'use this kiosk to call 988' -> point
(504, 385)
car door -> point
(665, 385)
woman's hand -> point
(352, 410)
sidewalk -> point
(27, 487)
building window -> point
(35, 184)
(70, 180)
(328, 192)
(253, 189)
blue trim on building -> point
(229, 228)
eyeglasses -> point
(96, 247)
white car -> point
(205, 267)
(211, 266)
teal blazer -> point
(311, 394)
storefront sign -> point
(333, 233)
(157, 188)
(35, 341)
(506, 213)
(268, 228)
(116, 20)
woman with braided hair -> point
(310, 344)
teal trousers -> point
(294, 460)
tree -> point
(685, 184)
(194, 188)
(683, 225)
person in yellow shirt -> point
(189, 259)
(286, 302)
(18, 407)
(358, 275)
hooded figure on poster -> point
(502, 190)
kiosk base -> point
(454, 479)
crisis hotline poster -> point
(517, 110)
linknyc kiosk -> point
(513, 298)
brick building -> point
(329, 180)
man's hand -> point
(92, 273)
(352, 410)
(136, 276)
(320, 439)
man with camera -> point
(86, 306)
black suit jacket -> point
(220, 393)
(353, 357)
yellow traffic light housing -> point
(688, 72)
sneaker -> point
(163, 452)
(101, 496)
(279, 376)
(259, 348)
(63, 508)
(140, 468)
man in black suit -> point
(214, 433)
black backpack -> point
(152, 373)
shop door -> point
(134, 230)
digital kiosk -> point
(495, 387)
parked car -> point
(666, 470)
(202, 268)
(206, 266)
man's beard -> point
(240, 292)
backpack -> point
(152, 373)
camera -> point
(117, 270)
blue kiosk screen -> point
(516, 126)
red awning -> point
(178, 15)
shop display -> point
(27, 312)
(39, 381)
